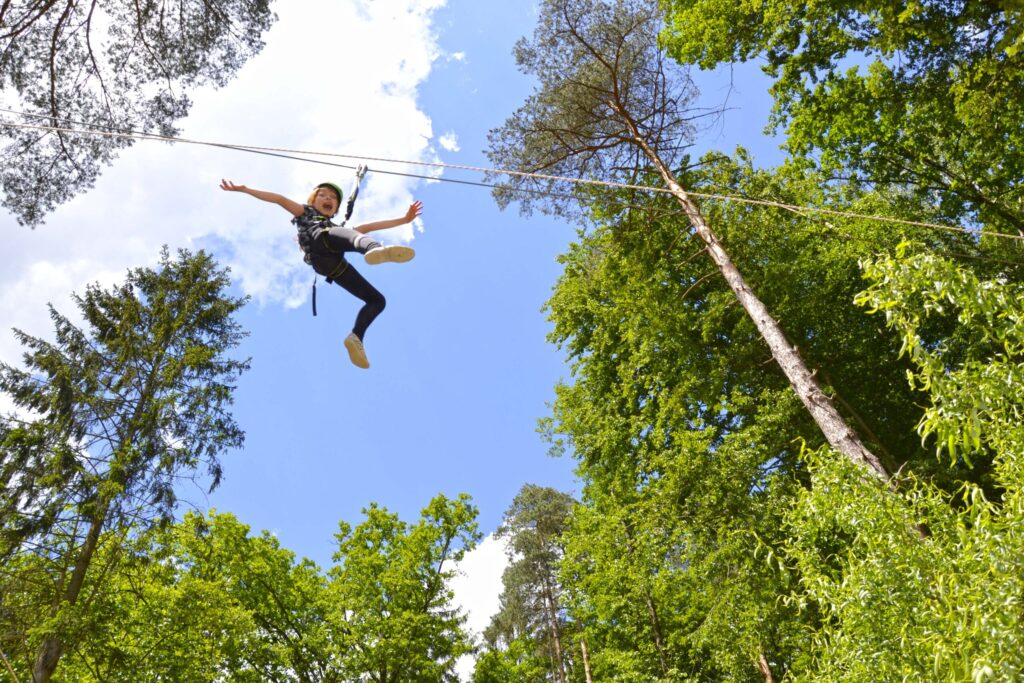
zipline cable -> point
(267, 151)
(284, 152)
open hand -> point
(231, 187)
(414, 212)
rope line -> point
(285, 152)
(279, 154)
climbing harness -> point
(349, 206)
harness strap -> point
(334, 275)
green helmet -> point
(336, 189)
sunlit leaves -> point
(391, 601)
(923, 96)
(974, 378)
(121, 410)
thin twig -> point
(9, 667)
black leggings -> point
(373, 301)
(337, 241)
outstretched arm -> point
(415, 210)
(294, 208)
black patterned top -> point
(309, 223)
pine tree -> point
(609, 107)
(530, 626)
(122, 409)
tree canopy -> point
(924, 95)
(392, 600)
(205, 599)
(115, 67)
(717, 535)
(529, 635)
(688, 440)
(122, 410)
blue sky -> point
(461, 370)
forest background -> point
(820, 482)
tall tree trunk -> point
(52, 647)
(586, 660)
(551, 612)
(837, 432)
(762, 666)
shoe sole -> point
(394, 253)
(356, 354)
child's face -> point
(326, 201)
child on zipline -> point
(325, 245)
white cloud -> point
(477, 589)
(338, 77)
(449, 141)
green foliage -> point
(127, 405)
(116, 66)
(194, 600)
(659, 347)
(973, 378)
(123, 410)
(698, 512)
(688, 436)
(899, 606)
(390, 597)
(205, 600)
(168, 612)
(529, 633)
(946, 605)
(667, 578)
(923, 95)
(515, 663)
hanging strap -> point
(314, 296)
(354, 192)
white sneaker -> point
(395, 253)
(356, 352)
